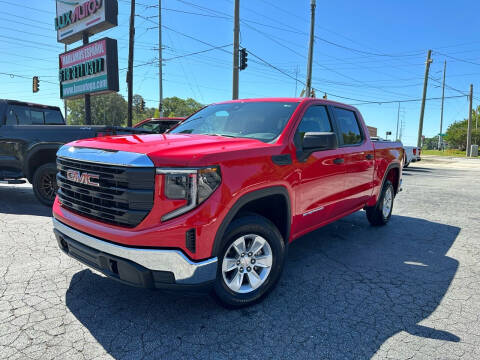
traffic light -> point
(36, 84)
(243, 59)
(142, 106)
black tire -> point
(375, 214)
(245, 225)
(45, 183)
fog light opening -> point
(64, 245)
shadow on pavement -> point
(20, 200)
(346, 289)
(417, 169)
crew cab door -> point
(359, 157)
(321, 174)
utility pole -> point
(469, 129)
(88, 109)
(236, 45)
(65, 100)
(130, 62)
(440, 139)
(160, 60)
(422, 110)
(398, 121)
(308, 87)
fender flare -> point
(242, 201)
(391, 166)
(33, 151)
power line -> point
(458, 59)
(364, 52)
(197, 52)
(191, 13)
(25, 77)
(408, 100)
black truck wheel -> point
(380, 213)
(250, 262)
(45, 183)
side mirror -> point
(315, 141)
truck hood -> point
(182, 149)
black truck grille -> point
(124, 196)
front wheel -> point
(380, 213)
(45, 183)
(250, 262)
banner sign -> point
(89, 69)
(90, 16)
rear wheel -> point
(45, 183)
(250, 262)
(380, 213)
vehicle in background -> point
(412, 154)
(159, 125)
(30, 135)
(216, 201)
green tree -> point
(111, 109)
(430, 143)
(456, 135)
(107, 109)
(174, 106)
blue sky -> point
(364, 50)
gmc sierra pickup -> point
(30, 135)
(217, 200)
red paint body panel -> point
(319, 190)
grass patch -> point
(448, 152)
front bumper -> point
(149, 268)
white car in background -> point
(412, 154)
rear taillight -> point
(414, 151)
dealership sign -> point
(89, 69)
(89, 16)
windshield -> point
(263, 121)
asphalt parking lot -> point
(408, 290)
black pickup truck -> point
(30, 135)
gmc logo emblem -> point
(83, 178)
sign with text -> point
(90, 16)
(89, 69)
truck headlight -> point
(192, 185)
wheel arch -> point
(261, 202)
(392, 173)
(39, 155)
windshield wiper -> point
(230, 136)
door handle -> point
(369, 156)
(338, 161)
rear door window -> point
(36, 117)
(348, 126)
(53, 117)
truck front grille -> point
(118, 195)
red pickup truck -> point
(217, 200)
